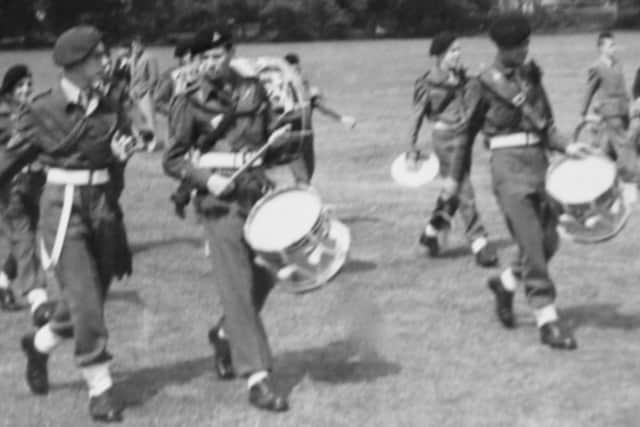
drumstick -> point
(275, 136)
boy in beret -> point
(19, 204)
(317, 103)
(607, 100)
(225, 114)
(144, 80)
(79, 135)
(439, 96)
(508, 103)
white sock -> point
(256, 377)
(430, 231)
(98, 378)
(46, 340)
(36, 297)
(546, 314)
(509, 281)
(4, 280)
(478, 244)
(221, 333)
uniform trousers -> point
(529, 218)
(20, 213)
(243, 289)
(447, 145)
(95, 251)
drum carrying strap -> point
(50, 261)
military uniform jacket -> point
(606, 86)
(25, 185)
(232, 118)
(505, 101)
(438, 99)
(64, 134)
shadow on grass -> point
(339, 362)
(606, 316)
(137, 387)
(353, 219)
(358, 266)
(138, 247)
(130, 296)
(462, 251)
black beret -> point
(292, 58)
(182, 48)
(75, 44)
(13, 76)
(211, 38)
(510, 30)
(441, 42)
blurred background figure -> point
(144, 80)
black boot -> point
(222, 355)
(558, 337)
(431, 243)
(43, 313)
(263, 396)
(106, 407)
(504, 302)
(8, 300)
(37, 375)
(487, 256)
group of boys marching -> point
(507, 102)
(63, 155)
(74, 142)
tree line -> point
(34, 22)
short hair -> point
(604, 36)
(292, 58)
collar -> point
(507, 71)
(609, 62)
(77, 96)
(208, 90)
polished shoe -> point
(487, 256)
(504, 302)
(43, 313)
(106, 408)
(8, 300)
(555, 336)
(37, 375)
(222, 355)
(262, 396)
(431, 243)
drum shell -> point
(312, 260)
(594, 221)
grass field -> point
(397, 339)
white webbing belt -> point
(518, 139)
(220, 160)
(70, 179)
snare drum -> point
(588, 196)
(296, 238)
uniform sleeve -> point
(474, 116)
(421, 108)
(593, 83)
(183, 136)
(163, 93)
(555, 140)
(636, 85)
(21, 149)
(154, 73)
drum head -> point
(577, 181)
(282, 218)
(410, 173)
